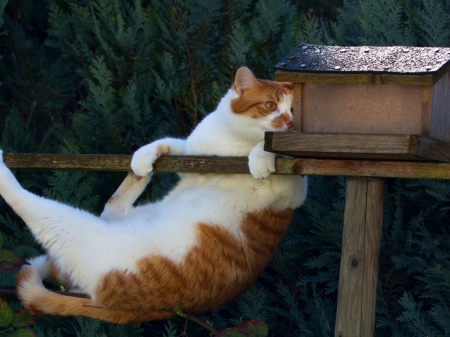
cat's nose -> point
(289, 124)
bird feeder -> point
(367, 102)
(360, 105)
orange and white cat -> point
(201, 246)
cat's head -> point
(266, 103)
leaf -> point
(246, 329)
(255, 328)
(6, 315)
(23, 333)
(23, 318)
(10, 261)
(178, 311)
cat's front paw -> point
(144, 158)
(261, 163)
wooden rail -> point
(224, 165)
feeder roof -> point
(342, 61)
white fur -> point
(86, 246)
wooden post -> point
(361, 238)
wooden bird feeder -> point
(371, 104)
(367, 102)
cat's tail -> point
(41, 301)
(35, 297)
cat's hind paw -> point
(144, 158)
(261, 163)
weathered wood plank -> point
(426, 110)
(361, 146)
(360, 78)
(358, 275)
(361, 108)
(439, 109)
(300, 166)
(113, 162)
(53, 161)
(297, 106)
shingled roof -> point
(364, 65)
(394, 60)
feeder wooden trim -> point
(363, 146)
(439, 115)
(297, 106)
(362, 78)
(426, 109)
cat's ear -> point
(244, 79)
(287, 85)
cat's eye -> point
(270, 105)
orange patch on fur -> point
(251, 100)
(216, 270)
(280, 121)
(26, 275)
(40, 301)
(162, 149)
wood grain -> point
(361, 108)
(361, 78)
(230, 165)
(297, 106)
(426, 110)
(361, 146)
(440, 109)
(361, 239)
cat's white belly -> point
(168, 228)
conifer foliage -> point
(107, 76)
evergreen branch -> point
(191, 62)
(179, 312)
(203, 324)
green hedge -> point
(107, 76)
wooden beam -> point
(224, 165)
(363, 219)
(357, 146)
(360, 78)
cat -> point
(199, 247)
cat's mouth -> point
(283, 129)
